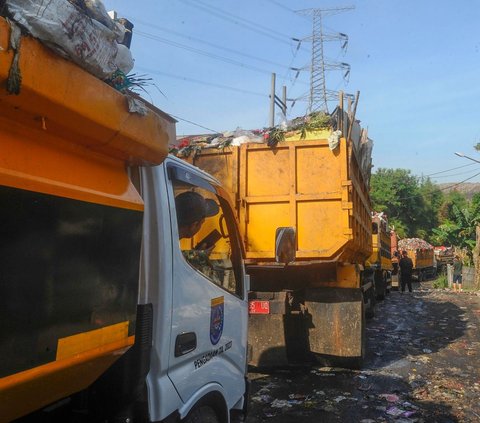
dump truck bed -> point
(421, 253)
(72, 217)
(421, 259)
(301, 184)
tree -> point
(460, 227)
(410, 203)
(451, 200)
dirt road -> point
(422, 365)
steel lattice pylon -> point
(319, 94)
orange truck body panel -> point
(299, 183)
(381, 245)
(421, 258)
(70, 135)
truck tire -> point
(370, 296)
(381, 287)
(204, 414)
(388, 282)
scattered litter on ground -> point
(420, 367)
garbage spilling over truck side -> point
(79, 30)
(313, 126)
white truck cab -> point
(200, 310)
(124, 293)
(188, 359)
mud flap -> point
(278, 338)
(336, 333)
(266, 339)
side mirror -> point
(285, 245)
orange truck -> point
(380, 262)
(422, 255)
(303, 208)
(102, 318)
(395, 255)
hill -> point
(466, 188)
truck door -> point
(209, 313)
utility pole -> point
(272, 102)
(275, 100)
(319, 94)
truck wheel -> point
(380, 285)
(388, 282)
(370, 310)
(203, 414)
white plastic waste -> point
(74, 34)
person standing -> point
(406, 269)
(457, 274)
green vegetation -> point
(441, 282)
(416, 207)
(412, 204)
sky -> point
(415, 63)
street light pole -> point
(467, 157)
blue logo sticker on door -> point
(216, 320)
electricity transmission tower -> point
(319, 94)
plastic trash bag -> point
(73, 34)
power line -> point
(196, 124)
(438, 189)
(448, 170)
(459, 183)
(286, 8)
(178, 34)
(281, 5)
(197, 81)
(205, 53)
(236, 19)
(202, 52)
(252, 26)
(455, 174)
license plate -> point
(259, 307)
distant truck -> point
(380, 262)
(395, 257)
(422, 255)
(103, 318)
(303, 207)
(443, 256)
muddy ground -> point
(422, 365)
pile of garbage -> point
(296, 129)
(443, 251)
(79, 30)
(414, 244)
(271, 136)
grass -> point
(441, 282)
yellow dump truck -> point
(93, 279)
(303, 208)
(380, 262)
(422, 255)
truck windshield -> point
(207, 235)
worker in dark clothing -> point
(457, 274)
(406, 268)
